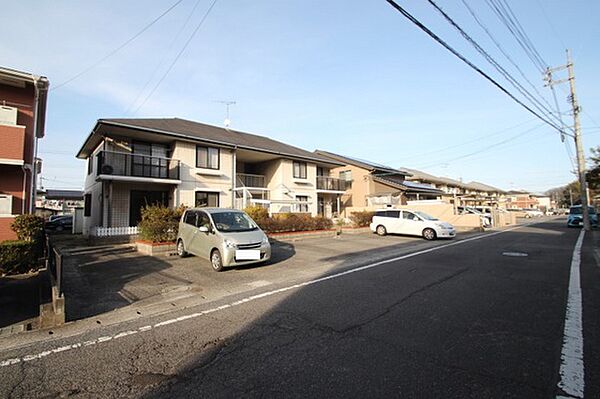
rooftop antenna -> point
(227, 121)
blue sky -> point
(352, 77)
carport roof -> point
(196, 131)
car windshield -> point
(233, 222)
(425, 216)
(578, 210)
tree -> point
(593, 174)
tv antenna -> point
(227, 121)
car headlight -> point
(230, 244)
(265, 240)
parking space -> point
(101, 280)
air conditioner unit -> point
(6, 204)
(8, 115)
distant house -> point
(23, 98)
(134, 162)
(521, 200)
(51, 202)
(369, 185)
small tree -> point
(28, 227)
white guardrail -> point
(114, 231)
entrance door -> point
(139, 199)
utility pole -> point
(576, 134)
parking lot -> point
(110, 281)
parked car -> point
(486, 219)
(410, 222)
(575, 218)
(63, 222)
(225, 237)
(533, 213)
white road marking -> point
(9, 362)
(571, 367)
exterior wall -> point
(284, 188)
(355, 198)
(197, 179)
(16, 143)
(445, 212)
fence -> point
(54, 264)
(114, 231)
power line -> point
(536, 103)
(164, 57)
(416, 22)
(113, 52)
(497, 44)
(550, 23)
(177, 56)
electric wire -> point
(164, 75)
(430, 33)
(164, 57)
(117, 49)
(534, 101)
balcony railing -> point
(330, 183)
(134, 165)
(249, 180)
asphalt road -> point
(460, 320)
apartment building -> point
(369, 185)
(134, 162)
(23, 98)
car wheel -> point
(380, 230)
(429, 234)
(181, 249)
(216, 261)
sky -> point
(350, 77)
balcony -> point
(325, 183)
(134, 167)
(250, 181)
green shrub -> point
(159, 223)
(362, 218)
(288, 222)
(18, 256)
(28, 227)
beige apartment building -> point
(134, 162)
(369, 185)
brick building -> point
(23, 99)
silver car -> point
(226, 237)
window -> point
(206, 199)
(207, 157)
(150, 159)
(299, 170)
(90, 165)
(190, 218)
(409, 216)
(346, 175)
(393, 214)
(203, 220)
(302, 207)
(87, 205)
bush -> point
(257, 213)
(288, 222)
(28, 227)
(159, 223)
(362, 218)
(18, 256)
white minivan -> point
(416, 223)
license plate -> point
(247, 254)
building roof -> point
(368, 165)
(420, 175)
(407, 186)
(474, 185)
(63, 194)
(196, 131)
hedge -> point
(28, 227)
(159, 223)
(18, 256)
(362, 219)
(287, 222)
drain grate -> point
(515, 254)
